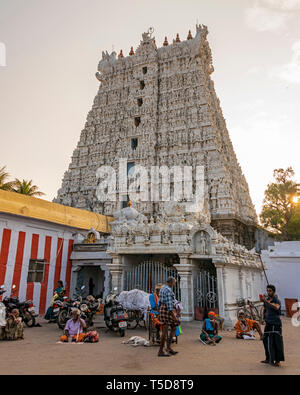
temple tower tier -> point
(158, 107)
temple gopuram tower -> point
(158, 106)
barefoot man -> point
(272, 339)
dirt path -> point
(40, 354)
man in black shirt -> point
(272, 339)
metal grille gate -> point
(205, 290)
(147, 274)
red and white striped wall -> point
(22, 239)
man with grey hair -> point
(167, 317)
(74, 328)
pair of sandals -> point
(276, 364)
(170, 352)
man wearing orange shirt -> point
(245, 328)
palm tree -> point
(26, 188)
(4, 184)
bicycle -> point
(249, 309)
(135, 318)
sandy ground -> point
(40, 354)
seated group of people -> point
(244, 327)
(59, 294)
(14, 328)
(75, 330)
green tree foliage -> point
(294, 225)
(4, 183)
(26, 188)
(280, 213)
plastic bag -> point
(178, 330)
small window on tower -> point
(134, 143)
(142, 85)
(145, 69)
(137, 121)
(140, 101)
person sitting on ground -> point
(245, 328)
(74, 328)
(58, 294)
(153, 300)
(209, 334)
(14, 329)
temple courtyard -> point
(39, 353)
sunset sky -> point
(53, 47)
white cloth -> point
(250, 336)
(2, 315)
(134, 300)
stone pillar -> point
(116, 271)
(73, 281)
(220, 285)
(184, 269)
(229, 315)
(242, 283)
(107, 282)
(223, 284)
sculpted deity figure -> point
(130, 238)
(165, 237)
(203, 244)
(146, 233)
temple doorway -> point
(92, 277)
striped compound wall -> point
(22, 239)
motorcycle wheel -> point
(122, 332)
(62, 319)
(29, 319)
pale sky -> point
(53, 47)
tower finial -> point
(121, 54)
(131, 51)
(177, 38)
(189, 37)
(165, 42)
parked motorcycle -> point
(58, 305)
(26, 309)
(88, 309)
(10, 302)
(115, 316)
